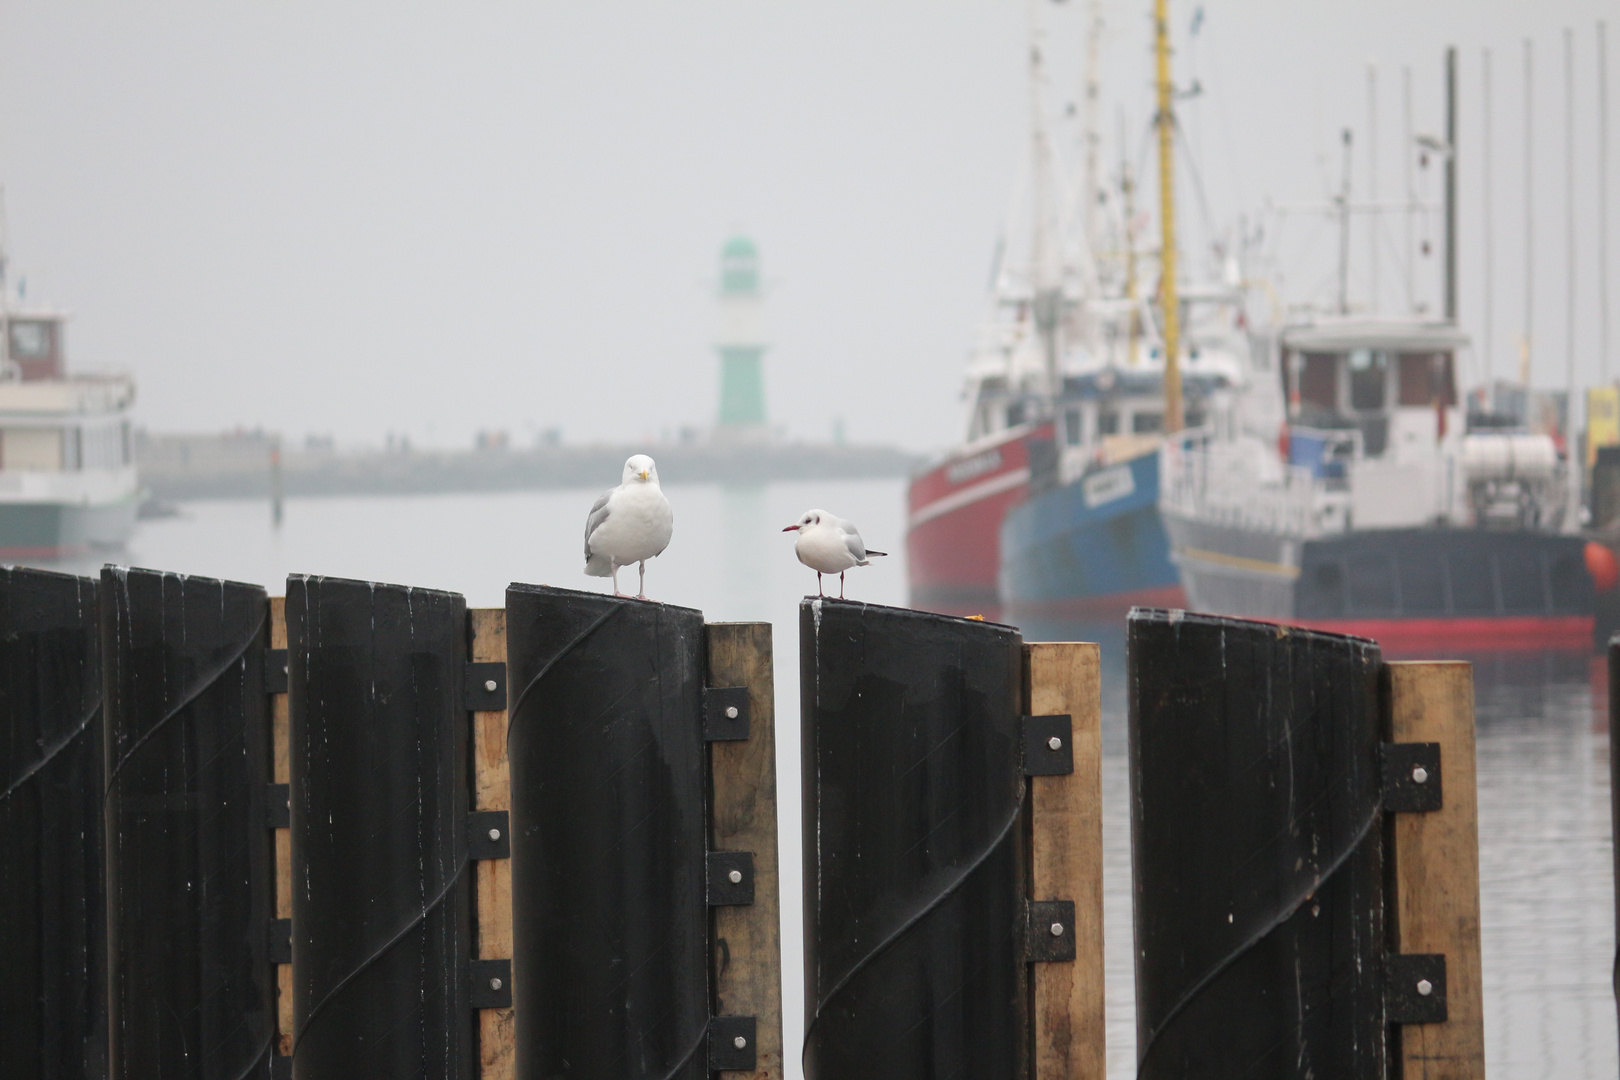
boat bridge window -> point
(1107, 422)
(1425, 378)
(1147, 423)
(1015, 413)
(1071, 427)
(37, 449)
(1319, 380)
(1369, 379)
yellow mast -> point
(1173, 417)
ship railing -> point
(1238, 483)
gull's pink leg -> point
(818, 584)
(616, 591)
(840, 584)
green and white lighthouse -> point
(741, 343)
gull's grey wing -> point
(853, 541)
(598, 514)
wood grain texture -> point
(1066, 862)
(748, 944)
(493, 879)
(282, 773)
(1436, 861)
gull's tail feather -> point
(870, 554)
(599, 566)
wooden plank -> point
(493, 880)
(748, 943)
(1066, 862)
(282, 774)
(1436, 860)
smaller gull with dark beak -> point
(830, 545)
(628, 524)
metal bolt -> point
(1057, 929)
(736, 877)
(490, 685)
(1425, 987)
(731, 714)
(1420, 775)
(495, 984)
(1055, 743)
(739, 1042)
(494, 834)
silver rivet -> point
(1055, 743)
(1425, 987)
(736, 877)
(1420, 775)
(494, 834)
(731, 714)
(1057, 929)
(494, 984)
(490, 685)
(739, 1042)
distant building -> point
(741, 344)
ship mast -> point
(1046, 284)
(1173, 417)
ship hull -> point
(1425, 588)
(955, 511)
(47, 530)
(1095, 547)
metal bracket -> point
(275, 671)
(725, 713)
(1411, 777)
(281, 941)
(278, 806)
(1048, 745)
(731, 1043)
(280, 1067)
(1415, 988)
(488, 835)
(730, 878)
(485, 687)
(489, 984)
(1049, 931)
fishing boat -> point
(67, 470)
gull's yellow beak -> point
(644, 474)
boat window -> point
(39, 449)
(1426, 376)
(1071, 427)
(1147, 423)
(1107, 422)
(30, 340)
(1015, 413)
(1369, 372)
(1319, 380)
(72, 449)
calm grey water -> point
(1543, 749)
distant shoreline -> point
(178, 467)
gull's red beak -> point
(791, 528)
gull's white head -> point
(810, 518)
(640, 467)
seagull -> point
(628, 524)
(829, 545)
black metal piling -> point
(1256, 849)
(609, 826)
(188, 850)
(381, 781)
(914, 851)
(53, 997)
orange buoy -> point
(1602, 565)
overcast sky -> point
(433, 218)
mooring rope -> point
(192, 695)
(917, 917)
(1254, 939)
(50, 754)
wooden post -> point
(493, 888)
(1436, 862)
(1066, 862)
(748, 945)
(281, 774)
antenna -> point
(1045, 274)
(1372, 182)
(1451, 185)
(1529, 219)
(1411, 194)
(1093, 137)
(1344, 231)
(1603, 200)
(1569, 226)
(1490, 246)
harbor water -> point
(1543, 741)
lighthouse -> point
(741, 344)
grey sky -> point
(432, 218)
